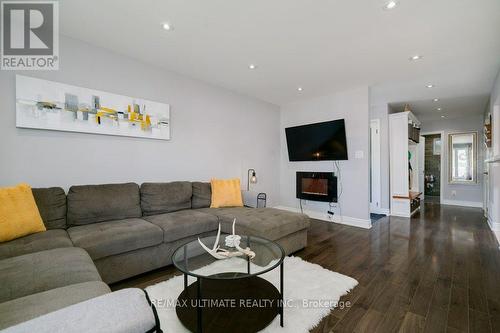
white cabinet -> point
(404, 149)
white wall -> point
(351, 105)
(464, 193)
(215, 132)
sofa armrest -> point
(123, 311)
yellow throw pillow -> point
(19, 215)
(226, 193)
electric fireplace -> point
(317, 186)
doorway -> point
(432, 172)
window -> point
(462, 158)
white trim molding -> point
(495, 228)
(462, 203)
(347, 220)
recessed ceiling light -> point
(390, 5)
(443, 117)
(436, 99)
(430, 86)
(415, 57)
(166, 26)
(299, 89)
(439, 109)
(252, 66)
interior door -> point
(421, 166)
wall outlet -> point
(453, 193)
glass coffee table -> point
(228, 295)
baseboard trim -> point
(462, 203)
(384, 211)
(495, 228)
(347, 220)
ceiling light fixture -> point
(390, 5)
(166, 26)
(443, 117)
(416, 57)
(439, 109)
(299, 89)
(430, 86)
(436, 99)
(252, 66)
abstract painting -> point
(43, 104)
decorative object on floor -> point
(252, 178)
(231, 241)
(304, 281)
(226, 193)
(43, 104)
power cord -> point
(301, 209)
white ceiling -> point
(457, 107)
(322, 45)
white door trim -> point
(375, 167)
(441, 182)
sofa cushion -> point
(183, 224)
(36, 272)
(50, 239)
(202, 195)
(51, 204)
(226, 193)
(158, 198)
(28, 307)
(269, 223)
(97, 203)
(114, 237)
(19, 215)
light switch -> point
(359, 154)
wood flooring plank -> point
(479, 322)
(412, 323)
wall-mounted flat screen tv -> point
(317, 142)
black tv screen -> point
(317, 142)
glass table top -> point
(194, 260)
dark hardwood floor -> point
(438, 272)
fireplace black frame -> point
(332, 186)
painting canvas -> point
(57, 106)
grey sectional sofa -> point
(98, 234)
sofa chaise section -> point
(127, 310)
(286, 228)
(41, 271)
(31, 306)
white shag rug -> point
(311, 291)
